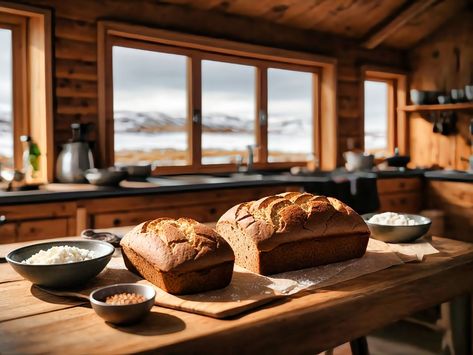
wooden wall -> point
(75, 53)
(443, 62)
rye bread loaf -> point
(293, 231)
(181, 256)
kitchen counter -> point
(320, 182)
(45, 195)
(347, 310)
(449, 175)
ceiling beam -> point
(392, 25)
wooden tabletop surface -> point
(308, 322)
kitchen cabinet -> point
(455, 199)
(400, 194)
(37, 221)
(49, 220)
(204, 206)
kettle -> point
(75, 157)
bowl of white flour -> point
(61, 264)
(392, 227)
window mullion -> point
(194, 85)
(316, 122)
(261, 122)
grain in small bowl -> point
(50, 264)
(125, 303)
(415, 227)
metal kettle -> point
(75, 157)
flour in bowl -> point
(59, 255)
(392, 219)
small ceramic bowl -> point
(122, 314)
(105, 177)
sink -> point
(186, 180)
(246, 176)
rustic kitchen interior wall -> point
(442, 62)
(75, 52)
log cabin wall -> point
(443, 61)
(75, 54)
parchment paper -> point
(379, 256)
(248, 290)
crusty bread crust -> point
(291, 231)
(178, 255)
(176, 283)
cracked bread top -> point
(292, 216)
(177, 244)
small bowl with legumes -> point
(123, 303)
(61, 264)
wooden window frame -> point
(397, 96)
(32, 81)
(199, 48)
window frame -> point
(32, 108)
(397, 95)
(20, 124)
(199, 48)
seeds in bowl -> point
(59, 255)
(392, 219)
(125, 298)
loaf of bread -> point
(181, 256)
(293, 231)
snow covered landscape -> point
(229, 135)
(6, 139)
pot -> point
(358, 161)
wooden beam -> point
(392, 25)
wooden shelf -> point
(438, 107)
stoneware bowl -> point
(105, 177)
(61, 275)
(122, 314)
(398, 234)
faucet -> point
(249, 165)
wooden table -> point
(308, 322)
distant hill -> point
(5, 122)
(130, 121)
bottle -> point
(31, 159)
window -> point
(385, 125)
(228, 111)
(376, 116)
(290, 113)
(6, 100)
(25, 87)
(194, 104)
(149, 107)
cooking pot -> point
(358, 161)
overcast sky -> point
(150, 81)
(5, 70)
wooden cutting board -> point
(245, 292)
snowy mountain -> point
(130, 121)
(5, 122)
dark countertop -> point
(320, 181)
(23, 197)
(449, 175)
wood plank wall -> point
(443, 62)
(75, 53)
